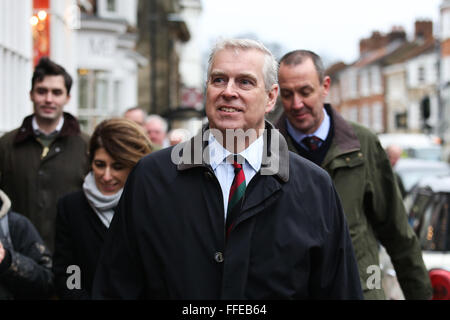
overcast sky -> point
(331, 28)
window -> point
(377, 116)
(111, 5)
(93, 90)
(421, 74)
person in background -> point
(136, 114)
(248, 220)
(84, 216)
(177, 136)
(25, 261)
(360, 169)
(394, 153)
(156, 127)
(47, 156)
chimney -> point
(376, 41)
(397, 33)
(423, 30)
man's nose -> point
(49, 97)
(297, 101)
(230, 90)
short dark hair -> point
(297, 57)
(47, 67)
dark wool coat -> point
(79, 237)
(373, 206)
(25, 272)
(167, 239)
(34, 184)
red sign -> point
(40, 24)
(191, 97)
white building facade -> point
(96, 49)
(15, 62)
(107, 64)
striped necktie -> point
(236, 196)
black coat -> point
(25, 272)
(79, 237)
(167, 240)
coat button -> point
(57, 149)
(218, 256)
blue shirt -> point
(321, 132)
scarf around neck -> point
(101, 204)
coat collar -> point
(275, 160)
(345, 138)
(70, 128)
(5, 204)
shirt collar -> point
(321, 132)
(253, 154)
(38, 131)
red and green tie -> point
(235, 197)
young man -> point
(230, 214)
(47, 156)
(361, 172)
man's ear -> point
(326, 85)
(272, 98)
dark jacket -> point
(167, 239)
(25, 272)
(372, 203)
(79, 237)
(34, 184)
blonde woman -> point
(84, 217)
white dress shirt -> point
(224, 170)
(38, 131)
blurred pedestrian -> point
(394, 153)
(248, 221)
(47, 156)
(136, 114)
(177, 136)
(156, 127)
(25, 261)
(361, 172)
(84, 216)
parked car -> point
(428, 208)
(429, 215)
(412, 170)
(414, 145)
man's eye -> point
(41, 91)
(246, 82)
(306, 92)
(285, 94)
(218, 80)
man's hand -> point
(2, 252)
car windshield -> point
(411, 176)
(431, 153)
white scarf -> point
(101, 204)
